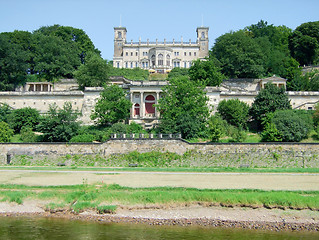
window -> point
(190, 54)
(153, 60)
(136, 64)
(160, 60)
(118, 65)
(126, 64)
(137, 109)
(131, 64)
(131, 53)
(195, 54)
(136, 54)
(185, 65)
(143, 64)
(184, 53)
(119, 34)
(126, 53)
(146, 64)
(203, 35)
(168, 60)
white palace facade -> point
(158, 56)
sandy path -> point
(271, 181)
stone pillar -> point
(157, 113)
(142, 106)
(132, 108)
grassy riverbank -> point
(105, 198)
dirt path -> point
(270, 181)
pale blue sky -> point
(153, 19)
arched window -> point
(160, 60)
(203, 35)
(149, 102)
(137, 109)
(168, 60)
(119, 34)
(153, 60)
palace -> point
(157, 56)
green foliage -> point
(216, 127)
(183, 108)
(270, 133)
(240, 55)
(82, 138)
(13, 63)
(27, 135)
(112, 106)
(234, 111)
(308, 81)
(5, 132)
(304, 43)
(177, 72)
(269, 100)
(94, 72)
(59, 125)
(238, 135)
(5, 111)
(316, 115)
(291, 125)
(132, 74)
(206, 72)
(24, 117)
(106, 209)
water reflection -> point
(46, 228)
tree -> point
(308, 81)
(304, 43)
(269, 99)
(177, 72)
(59, 125)
(216, 127)
(24, 117)
(316, 116)
(206, 72)
(5, 111)
(13, 64)
(240, 55)
(93, 73)
(234, 111)
(290, 125)
(112, 106)
(5, 132)
(183, 108)
(55, 58)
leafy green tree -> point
(234, 111)
(268, 100)
(5, 132)
(290, 125)
(59, 125)
(132, 74)
(308, 81)
(240, 55)
(93, 73)
(24, 117)
(270, 133)
(316, 115)
(183, 108)
(304, 43)
(206, 72)
(71, 35)
(112, 106)
(216, 127)
(13, 64)
(5, 111)
(55, 58)
(177, 72)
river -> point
(23, 228)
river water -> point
(13, 228)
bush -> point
(24, 117)
(235, 112)
(5, 111)
(216, 128)
(270, 133)
(238, 135)
(82, 138)
(27, 135)
(290, 125)
(5, 132)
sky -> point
(153, 19)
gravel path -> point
(264, 181)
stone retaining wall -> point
(194, 154)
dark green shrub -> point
(27, 135)
(216, 128)
(290, 125)
(270, 133)
(5, 111)
(235, 112)
(5, 132)
(24, 117)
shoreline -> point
(220, 217)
